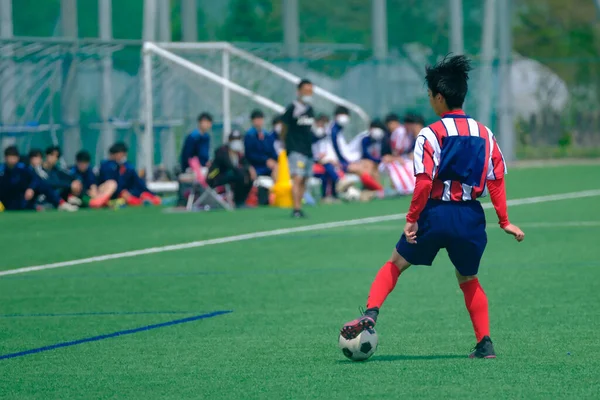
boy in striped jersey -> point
(456, 161)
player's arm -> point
(424, 172)
(497, 189)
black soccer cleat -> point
(483, 349)
(298, 214)
(352, 329)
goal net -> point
(183, 79)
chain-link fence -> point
(556, 85)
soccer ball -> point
(351, 194)
(361, 347)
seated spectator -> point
(230, 167)
(373, 144)
(401, 142)
(59, 179)
(82, 172)
(20, 186)
(349, 156)
(197, 143)
(121, 180)
(260, 147)
(414, 123)
(36, 159)
(327, 166)
(399, 165)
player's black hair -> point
(256, 114)
(322, 117)
(412, 118)
(11, 151)
(392, 117)
(205, 116)
(341, 110)
(34, 153)
(304, 82)
(376, 123)
(449, 78)
(53, 149)
(118, 147)
(276, 119)
(83, 156)
(235, 134)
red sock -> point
(477, 304)
(369, 182)
(384, 283)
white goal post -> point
(216, 75)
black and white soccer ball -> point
(361, 347)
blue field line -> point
(95, 313)
(112, 335)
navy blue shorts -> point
(458, 227)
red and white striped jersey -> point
(434, 150)
(401, 142)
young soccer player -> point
(456, 159)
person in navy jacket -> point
(82, 172)
(57, 177)
(373, 144)
(20, 186)
(129, 186)
(260, 147)
(197, 143)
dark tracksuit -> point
(59, 180)
(383, 149)
(258, 148)
(223, 171)
(15, 181)
(87, 178)
(196, 145)
(126, 177)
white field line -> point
(276, 232)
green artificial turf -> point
(289, 295)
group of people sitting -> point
(330, 154)
(35, 182)
(384, 148)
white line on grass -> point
(276, 232)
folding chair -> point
(202, 195)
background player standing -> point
(456, 160)
(297, 134)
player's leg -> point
(465, 251)
(384, 283)
(104, 193)
(305, 168)
(332, 177)
(477, 304)
(364, 169)
(405, 255)
(296, 166)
